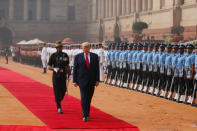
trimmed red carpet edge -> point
(39, 99)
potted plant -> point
(117, 39)
(138, 28)
(177, 33)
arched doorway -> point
(117, 34)
(101, 34)
(5, 36)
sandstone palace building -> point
(93, 20)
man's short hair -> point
(85, 44)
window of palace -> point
(71, 13)
(4, 9)
(182, 2)
(32, 10)
(18, 9)
(45, 9)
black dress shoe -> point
(84, 119)
(59, 110)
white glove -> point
(56, 69)
(196, 76)
(70, 77)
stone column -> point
(25, 10)
(128, 7)
(114, 7)
(177, 2)
(99, 9)
(110, 8)
(103, 8)
(133, 6)
(38, 11)
(123, 7)
(118, 7)
(11, 9)
(138, 5)
(106, 8)
(143, 5)
(149, 4)
(94, 10)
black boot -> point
(45, 71)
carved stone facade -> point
(94, 20)
(160, 15)
(48, 20)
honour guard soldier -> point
(156, 71)
(194, 103)
(144, 66)
(175, 72)
(129, 63)
(106, 48)
(118, 58)
(181, 83)
(168, 71)
(150, 68)
(134, 61)
(113, 62)
(162, 58)
(139, 66)
(125, 66)
(189, 70)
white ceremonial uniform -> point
(101, 55)
(44, 57)
(105, 60)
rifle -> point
(170, 92)
(121, 79)
(128, 79)
(145, 87)
(193, 94)
(135, 86)
(131, 86)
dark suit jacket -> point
(81, 74)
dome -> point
(67, 41)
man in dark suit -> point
(86, 76)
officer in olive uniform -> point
(59, 64)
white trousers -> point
(44, 63)
(101, 73)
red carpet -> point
(39, 99)
(42, 128)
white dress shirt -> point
(88, 57)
